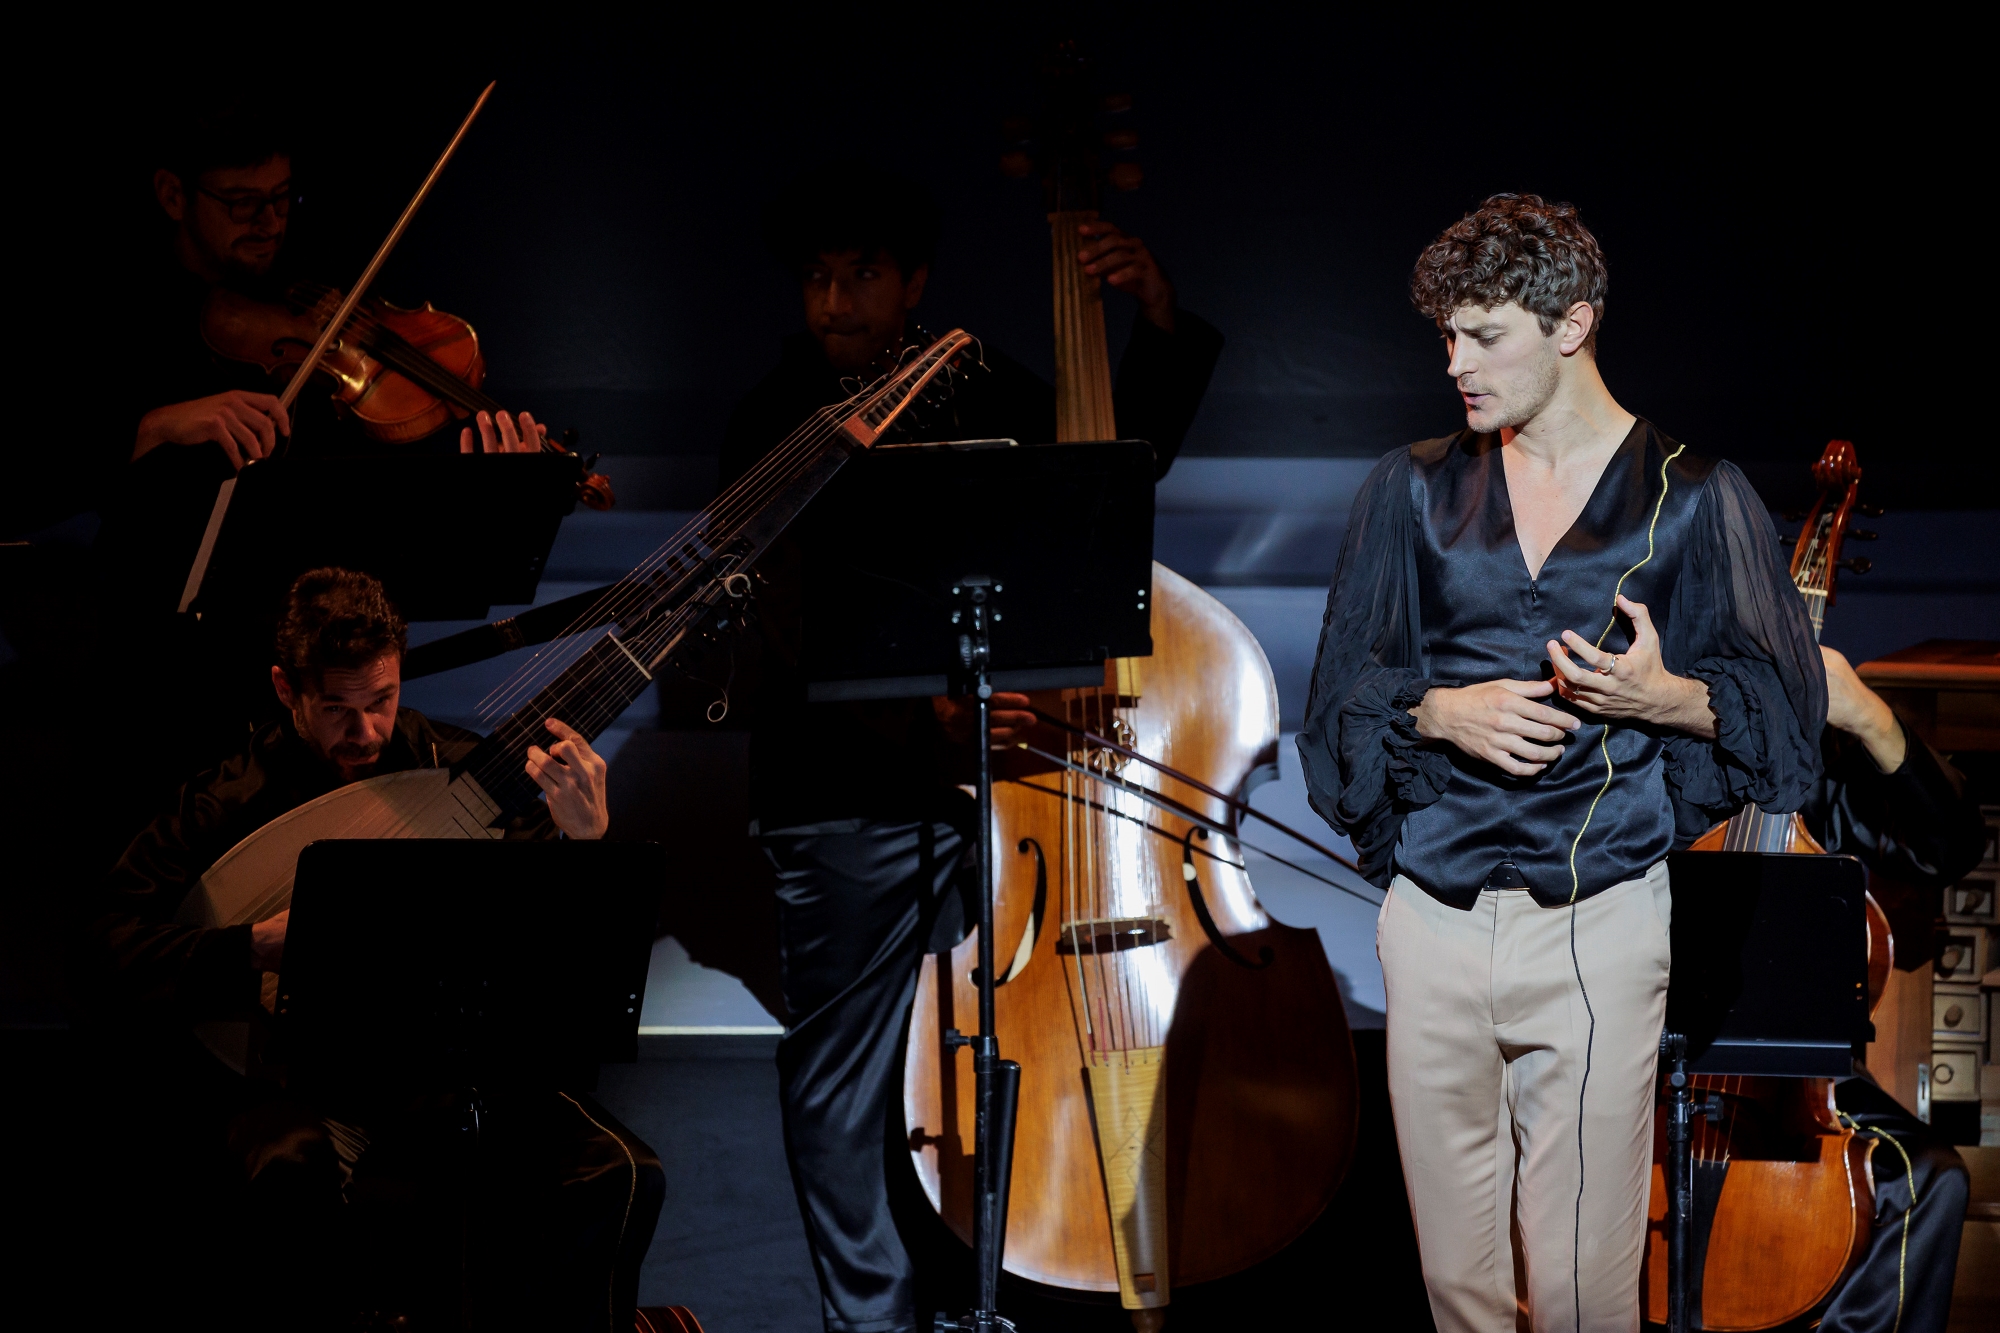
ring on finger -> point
(1609, 667)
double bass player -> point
(855, 804)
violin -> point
(1784, 1193)
(404, 374)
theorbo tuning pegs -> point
(1872, 511)
(1017, 129)
(1115, 103)
(1857, 564)
(1121, 139)
(1016, 164)
(1863, 535)
(1125, 176)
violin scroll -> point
(593, 489)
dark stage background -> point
(1787, 234)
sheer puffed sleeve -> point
(1365, 767)
(1739, 626)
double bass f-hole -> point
(1037, 912)
(1201, 914)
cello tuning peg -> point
(1121, 139)
(1016, 164)
(1857, 564)
(1125, 176)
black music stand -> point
(449, 536)
(437, 965)
(965, 569)
(1770, 977)
(458, 975)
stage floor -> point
(730, 1245)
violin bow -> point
(199, 570)
(388, 246)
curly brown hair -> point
(1514, 247)
(335, 618)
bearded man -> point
(342, 1226)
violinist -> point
(855, 804)
(1557, 647)
(1894, 802)
(189, 416)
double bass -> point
(1784, 1195)
(1187, 1102)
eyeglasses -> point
(249, 207)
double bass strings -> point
(1113, 990)
(1240, 806)
(1173, 807)
(1080, 1002)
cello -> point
(1784, 1194)
(1187, 1102)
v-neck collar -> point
(1634, 437)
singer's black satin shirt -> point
(1432, 590)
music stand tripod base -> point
(997, 1086)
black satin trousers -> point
(859, 903)
(1912, 1250)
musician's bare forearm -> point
(1684, 707)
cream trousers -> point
(1494, 1062)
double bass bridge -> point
(1112, 934)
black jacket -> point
(185, 972)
